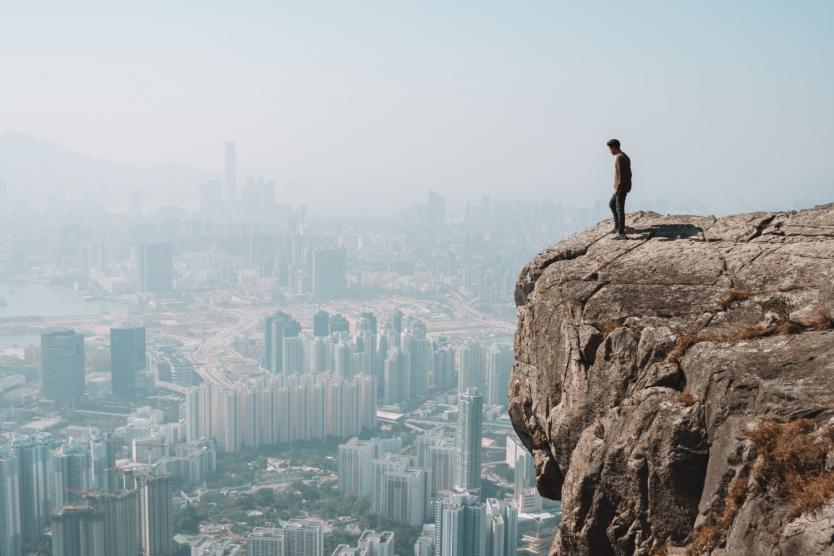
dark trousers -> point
(617, 205)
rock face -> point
(641, 364)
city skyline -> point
(360, 106)
(339, 279)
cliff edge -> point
(677, 388)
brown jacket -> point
(622, 173)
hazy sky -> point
(356, 101)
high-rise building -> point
(501, 524)
(102, 461)
(78, 531)
(266, 541)
(304, 537)
(120, 519)
(459, 525)
(33, 457)
(383, 466)
(127, 360)
(438, 456)
(520, 460)
(283, 408)
(419, 359)
(472, 367)
(468, 440)
(212, 546)
(424, 545)
(63, 365)
(68, 474)
(377, 544)
(355, 467)
(155, 514)
(397, 321)
(499, 363)
(338, 323)
(405, 496)
(230, 174)
(443, 365)
(10, 526)
(156, 268)
(319, 355)
(293, 356)
(342, 359)
(394, 388)
(321, 323)
(329, 272)
(276, 328)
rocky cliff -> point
(675, 388)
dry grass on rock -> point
(791, 462)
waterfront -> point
(31, 299)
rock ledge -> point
(642, 365)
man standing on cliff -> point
(622, 186)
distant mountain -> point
(40, 170)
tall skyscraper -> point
(230, 174)
(397, 321)
(443, 365)
(102, 461)
(120, 519)
(304, 537)
(293, 356)
(33, 457)
(419, 359)
(155, 514)
(78, 531)
(459, 525)
(10, 526)
(520, 460)
(266, 541)
(355, 467)
(394, 377)
(68, 474)
(62, 374)
(276, 328)
(329, 272)
(321, 323)
(438, 456)
(127, 360)
(156, 268)
(472, 367)
(499, 363)
(468, 440)
(501, 526)
(405, 495)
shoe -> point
(621, 236)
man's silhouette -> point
(622, 186)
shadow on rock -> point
(667, 232)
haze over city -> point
(272, 274)
(364, 106)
